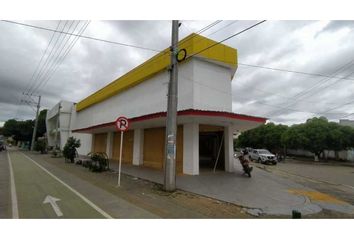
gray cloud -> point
(309, 46)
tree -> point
(340, 138)
(294, 137)
(40, 145)
(266, 136)
(41, 128)
(10, 128)
(21, 130)
(69, 150)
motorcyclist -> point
(244, 160)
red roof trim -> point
(188, 112)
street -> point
(335, 180)
(36, 185)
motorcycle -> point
(247, 169)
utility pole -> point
(57, 128)
(171, 121)
(36, 123)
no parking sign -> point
(122, 125)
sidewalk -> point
(264, 193)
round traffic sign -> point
(122, 124)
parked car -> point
(263, 156)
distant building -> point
(206, 123)
(59, 121)
(346, 122)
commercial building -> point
(206, 123)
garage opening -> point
(100, 142)
(154, 148)
(211, 148)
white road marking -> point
(13, 190)
(106, 215)
(53, 202)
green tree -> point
(69, 150)
(41, 128)
(266, 136)
(21, 130)
(316, 132)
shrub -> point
(99, 162)
(69, 151)
(40, 146)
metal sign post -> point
(122, 125)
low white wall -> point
(344, 155)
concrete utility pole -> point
(171, 121)
(57, 128)
(36, 123)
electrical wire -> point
(83, 36)
(318, 83)
(40, 61)
(61, 60)
(48, 59)
(56, 57)
(232, 36)
(297, 72)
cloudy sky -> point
(318, 47)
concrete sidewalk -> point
(264, 193)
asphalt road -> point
(5, 199)
(333, 180)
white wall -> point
(345, 155)
(212, 87)
(201, 85)
(85, 139)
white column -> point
(138, 147)
(109, 146)
(92, 142)
(191, 148)
(229, 149)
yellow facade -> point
(194, 44)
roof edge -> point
(187, 112)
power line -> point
(297, 72)
(209, 26)
(87, 37)
(56, 57)
(223, 27)
(318, 83)
(232, 36)
(61, 60)
(48, 59)
(40, 61)
(339, 106)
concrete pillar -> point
(138, 147)
(229, 149)
(92, 142)
(191, 148)
(109, 146)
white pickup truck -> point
(263, 156)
